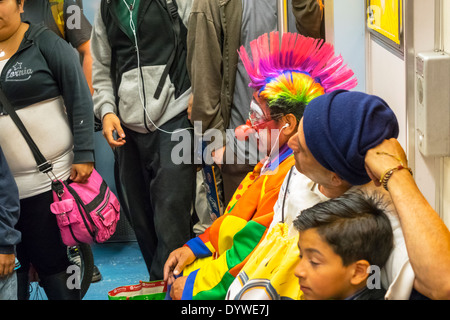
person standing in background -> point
(216, 30)
(9, 236)
(67, 20)
(141, 92)
(57, 112)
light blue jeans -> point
(8, 287)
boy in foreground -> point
(340, 242)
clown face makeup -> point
(260, 117)
(267, 126)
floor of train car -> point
(120, 263)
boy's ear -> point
(360, 273)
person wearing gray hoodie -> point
(141, 92)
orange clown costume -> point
(228, 243)
(287, 73)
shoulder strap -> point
(104, 5)
(172, 8)
(43, 165)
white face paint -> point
(256, 115)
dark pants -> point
(159, 193)
(42, 247)
(41, 243)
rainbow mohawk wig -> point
(299, 70)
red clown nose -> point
(244, 131)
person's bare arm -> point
(85, 52)
(426, 236)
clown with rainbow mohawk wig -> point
(286, 76)
(290, 72)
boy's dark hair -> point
(354, 225)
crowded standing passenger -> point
(71, 25)
(9, 236)
(67, 20)
(57, 111)
(216, 31)
(310, 19)
(141, 93)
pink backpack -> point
(85, 212)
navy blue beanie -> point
(341, 126)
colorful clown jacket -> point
(223, 249)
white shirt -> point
(49, 128)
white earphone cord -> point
(273, 147)
(140, 84)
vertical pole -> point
(282, 16)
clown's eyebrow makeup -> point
(256, 107)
